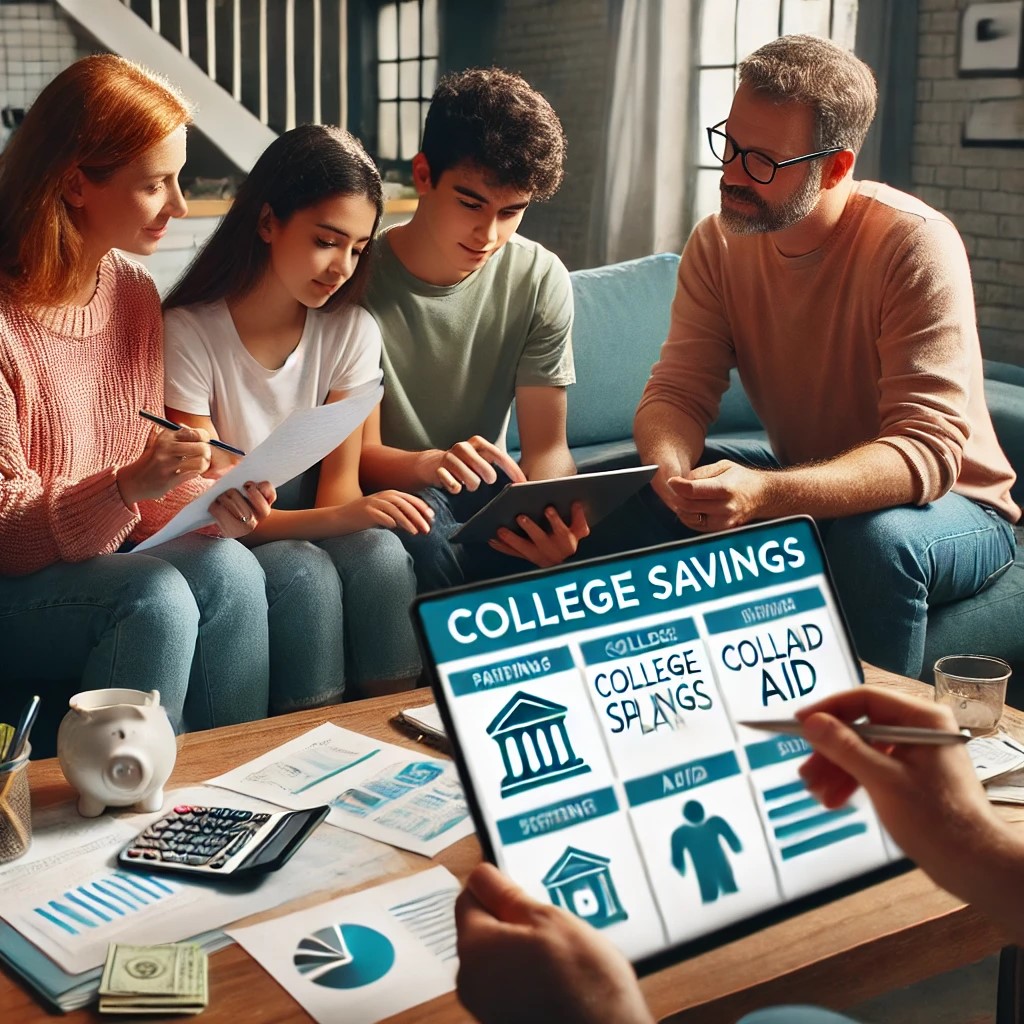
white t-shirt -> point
(209, 372)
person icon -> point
(703, 840)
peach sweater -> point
(871, 337)
(72, 380)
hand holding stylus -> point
(927, 796)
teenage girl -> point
(94, 169)
(266, 321)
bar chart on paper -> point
(103, 901)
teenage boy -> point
(474, 316)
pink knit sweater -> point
(72, 382)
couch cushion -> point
(621, 319)
(1006, 405)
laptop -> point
(593, 711)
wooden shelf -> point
(218, 207)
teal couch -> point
(622, 315)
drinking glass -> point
(974, 686)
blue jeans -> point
(441, 563)
(795, 1015)
(188, 618)
(889, 566)
(347, 625)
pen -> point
(171, 425)
(870, 731)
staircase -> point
(253, 68)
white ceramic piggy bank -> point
(117, 748)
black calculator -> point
(220, 841)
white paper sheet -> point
(71, 908)
(303, 439)
(993, 756)
(362, 958)
(377, 789)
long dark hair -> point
(297, 170)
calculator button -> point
(194, 858)
(150, 855)
(182, 809)
(133, 853)
(217, 864)
(241, 815)
(261, 818)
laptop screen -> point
(595, 712)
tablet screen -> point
(599, 493)
(595, 708)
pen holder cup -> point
(15, 808)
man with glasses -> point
(848, 310)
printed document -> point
(300, 441)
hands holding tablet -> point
(544, 548)
(928, 797)
(524, 960)
(467, 464)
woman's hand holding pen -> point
(169, 459)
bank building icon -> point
(581, 883)
(530, 733)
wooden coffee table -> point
(889, 935)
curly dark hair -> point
(493, 119)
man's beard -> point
(768, 216)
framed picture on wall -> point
(992, 39)
(996, 122)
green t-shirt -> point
(453, 355)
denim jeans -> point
(188, 618)
(377, 587)
(441, 563)
(889, 566)
(340, 617)
(795, 1015)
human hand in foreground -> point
(520, 960)
(240, 510)
(718, 496)
(394, 510)
(467, 464)
(544, 548)
(170, 458)
(927, 797)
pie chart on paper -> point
(344, 956)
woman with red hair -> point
(93, 169)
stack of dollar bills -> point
(154, 979)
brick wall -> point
(980, 188)
(561, 48)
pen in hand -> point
(171, 425)
(869, 731)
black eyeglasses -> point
(758, 166)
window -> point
(407, 51)
(729, 30)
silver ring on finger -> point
(702, 519)
(244, 519)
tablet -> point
(594, 714)
(600, 493)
